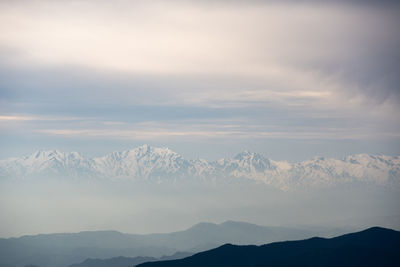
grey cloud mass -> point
(320, 77)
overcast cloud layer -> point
(291, 80)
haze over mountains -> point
(227, 244)
(61, 250)
(135, 190)
(296, 81)
(127, 261)
(146, 163)
(372, 247)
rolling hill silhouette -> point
(127, 261)
(372, 247)
(61, 250)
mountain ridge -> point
(375, 246)
(64, 249)
(163, 165)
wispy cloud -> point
(193, 37)
(187, 70)
(165, 135)
(17, 118)
(239, 128)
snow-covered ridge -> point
(162, 164)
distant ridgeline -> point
(85, 249)
(372, 247)
(378, 247)
(147, 163)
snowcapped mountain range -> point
(162, 165)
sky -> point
(288, 79)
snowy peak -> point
(145, 161)
(247, 165)
(254, 161)
(48, 155)
(143, 152)
(44, 161)
(162, 164)
(247, 155)
(41, 157)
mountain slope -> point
(127, 261)
(147, 163)
(113, 262)
(372, 247)
(60, 250)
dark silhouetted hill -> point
(372, 247)
(61, 250)
(127, 261)
(113, 262)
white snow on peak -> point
(144, 161)
(162, 164)
(45, 161)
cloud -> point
(17, 118)
(201, 129)
(285, 47)
(190, 37)
(286, 69)
(174, 135)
